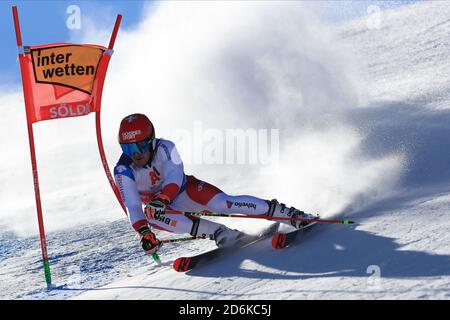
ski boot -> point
(222, 235)
(279, 210)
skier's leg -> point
(250, 205)
(196, 227)
(175, 223)
(244, 204)
(200, 227)
(207, 197)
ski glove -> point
(149, 242)
(155, 208)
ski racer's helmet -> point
(136, 134)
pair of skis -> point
(280, 240)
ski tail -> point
(184, 264)
(279, 241)
(282, 240)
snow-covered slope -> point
(363, 118)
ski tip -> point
(346, 221)
(279, 241)
(181, 264)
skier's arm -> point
(130, 196)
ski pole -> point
(155, 256)
(345, 221)
(180, 239)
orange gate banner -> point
(61, 80)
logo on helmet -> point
(130, 134)
(131, 118)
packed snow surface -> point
(362, 107)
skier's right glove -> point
(149, 242)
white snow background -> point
(363, 115)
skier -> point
(150, 172)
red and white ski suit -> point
(165, 176)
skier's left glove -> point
(149, 242)
(155, 208)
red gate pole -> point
(48, 277)
(98, 122)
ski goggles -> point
(140, 147)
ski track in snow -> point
(413, 265)
(328, 262)
(404, 236)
